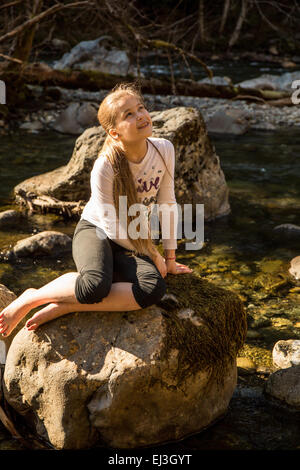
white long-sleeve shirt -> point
(154, 186)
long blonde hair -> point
(123, 184)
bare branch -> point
(7, 57)
(7, 5)
(40, 17)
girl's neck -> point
(135, 152)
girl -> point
(115, 271)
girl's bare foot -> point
(48, 313)
(15, 311)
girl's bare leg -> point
(119, 298)
(60, 290)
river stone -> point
(76, 118)
(295, 268)
(10, 218)
(286, 353)
(271, 82)
(93, 55)
(246, 366)
(129, 379)
(287, 232)
(198, 175)
(6, 297)
(229, 121)
(44, 243)
(284, 385)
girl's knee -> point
(149, 291)
(91, 287)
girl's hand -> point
(177, 268)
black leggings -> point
(100, 262)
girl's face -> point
(133, 122)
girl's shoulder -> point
(164, 145)
(102, 165)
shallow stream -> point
(240, 253)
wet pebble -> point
(245, 366)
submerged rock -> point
(44, 243)
(76, 118)
(10, 218)
(287, 232)
(286, 353)
(198, 174)
(284, 386)
(129, 379)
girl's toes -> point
(32, 326)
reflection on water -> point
(240, 253)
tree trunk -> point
(239, 24)
(41, 74)
(201, 21)
(25, 38)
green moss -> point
(214, 344)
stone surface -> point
(47, 243)
(271, 82)
(129, 379)
(76, 118)
(284, 385)
(6, 297)
(225, 81)
(287, 232)
(10, 218)
(245, 366)
(230, 121)
(286, 353)
(93, 55)
(198, 175)
(295, 268)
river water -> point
(240, 253)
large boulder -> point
(130, 379)
(6, 297)
(198, 174)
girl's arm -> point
(102, 202)
(168, 212)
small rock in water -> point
(286, 353)
(9, 218)
(284, 385)
(44, 243)
(245, 366)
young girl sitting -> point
(115, 271)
